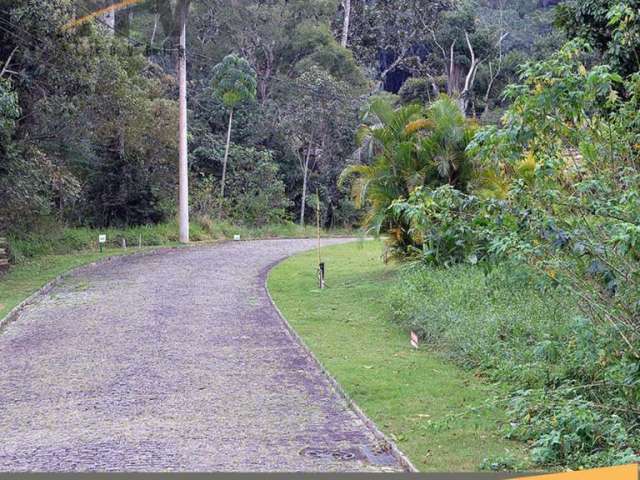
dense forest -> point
(89, 114)
(495, 139)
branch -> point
(346, 4)
(472, 69)
(395, 63)
(5, 69)
(494, 76)
(451, 62)
(435, 40)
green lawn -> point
(423, 402)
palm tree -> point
(405, 148)
(234, 81)
(446, 143)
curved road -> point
(172, 362)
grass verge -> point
(436, 412)
(61, 241)
(31, 275)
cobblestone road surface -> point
(171, 362)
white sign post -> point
(415, 341)
(102, 239)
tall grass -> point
(575, 388)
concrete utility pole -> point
(183, 157)
(346, 4)
(109, 20)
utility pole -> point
(183, 169)
(109, 20)
(346, 4)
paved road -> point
(171, 362)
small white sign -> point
(236, 238)
(102, 238)
(415, 342)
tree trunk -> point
(226, 158)
(465, 94)
(163, 8)
(155, 29)
(347, 20)
(304, 194)
(170, 20)
(487, 94)
(183, 6)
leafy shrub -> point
(255, 193)
(565, 429)
(408, 147)
(570, 151)
(555, 223)
(447, 226)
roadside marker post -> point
(415, 341)
(102, 239)
(321, 266)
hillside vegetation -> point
(494, 143)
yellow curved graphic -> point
(626, 472)
(98, 13)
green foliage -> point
(554, 309)
(446, 226)
(305, 79)
(411, 147)
(97, 109)
(315, 45)
(318, 122)
(21, 177)
(610, 26)
(257, 194)
(416, 90)
(574, 396)
(9, 110)
(234, 80)
(566, 428)
(577, 201)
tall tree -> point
(109, 18)
(234, 81)
(314, 118)
(280, 38)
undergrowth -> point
(575, 388)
